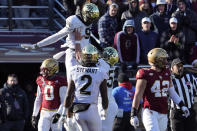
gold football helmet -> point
(49, 67)
(90, 12)
(158, 57)
(89, 55)
(110, 55)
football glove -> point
(134, 121)
(34, 121)
(29, 46)
(55, 118)
(103, 114)
(185, 110)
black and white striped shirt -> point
(185, 87)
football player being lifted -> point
(110, 55)
(50, 96)
(154, 85)
(77, 30)
(87, 80)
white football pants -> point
(154, 121)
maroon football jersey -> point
(50, 91)
(155, 94)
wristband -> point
(181, 104)
(134, 112)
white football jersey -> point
(72, 23)
(87, 83)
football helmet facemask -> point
(89, 55)
(90, 12)
(158, 57)
(110, 55)
(49, 67)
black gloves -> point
(55, 118)
(34, 121)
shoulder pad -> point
(73, 22)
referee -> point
(185, 85)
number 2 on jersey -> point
(156, 88)
(86, 85)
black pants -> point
(13, 126)
(180, 123)
(123, 124)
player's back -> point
(155, 94)
(87, 83)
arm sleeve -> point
(173, 95)
(37, 102)
(54, 38)
(62, 93)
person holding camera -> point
(173, 40)
(187, 21)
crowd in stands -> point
(169, 24)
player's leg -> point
(70, 61)
(162, 121)
(44, 121)
(149, 119)
(112, 110)
(57, 126)
(94, 121)
(89, 120)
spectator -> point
(148, 39)
(146, 7)
(185, 85)
(160, 19)
(187, 21)
(170, 7)
(154, 85)
(69, 6)
(123, 95)
(127, 44)
(133, 13)
(173, 41)
(16, 105)
(23, 13)
(107, 26)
